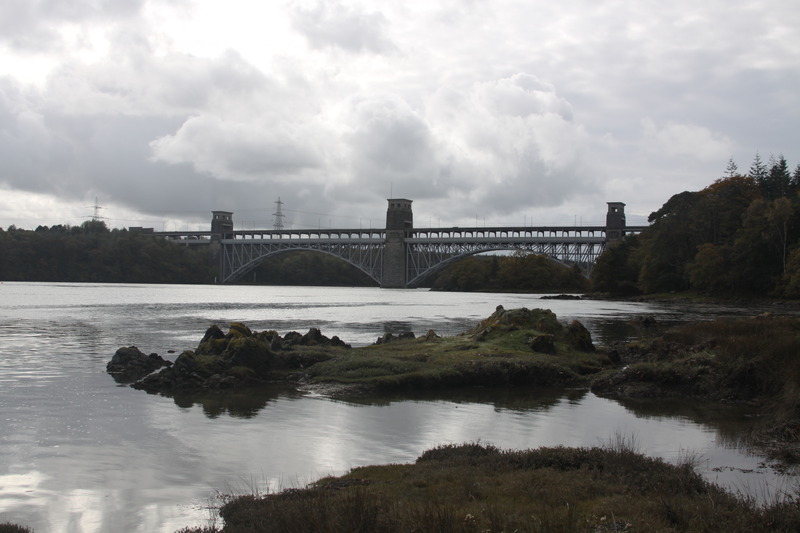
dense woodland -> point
(93, 253)
(520, 272)
(740, 236)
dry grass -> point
(473, 488)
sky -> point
(483, 112)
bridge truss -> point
(245, 250)
(427, 251)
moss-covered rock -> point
(578, 337)
(505, 320)
(544, 343)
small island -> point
(518, 347)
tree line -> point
(93, 253)
(519, 272)
(738, 236)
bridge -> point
(401, 256)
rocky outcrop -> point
(225, 360)
(506, 320)
(129, 364)
(386, 338)
(542, 322)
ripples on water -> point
(80, 453)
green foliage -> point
(520, 272)
(617, 269)
(738, 236)
(92, 253)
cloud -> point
(388, 142)
(49, 25)
(462, 106)
(510, 143)
(236, 150)
(350, 28)
(677, 140)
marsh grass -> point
(477, 488)
(497, 360)
(760, 356)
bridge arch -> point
(425, 274)
(240, 258)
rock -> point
(544, 343)
(503, 320)
(240, 357)
(130, 364)
(338, 343)
(579, 337)
(431, 335)
(292, 338)
(276, 344)
(237, 328)
(248, 352)
(314, 337)
(386, 338)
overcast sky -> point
(480, 111)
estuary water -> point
(80, 453)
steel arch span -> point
(240, 257)
(426, 256)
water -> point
(80, 454)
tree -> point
(794, 186)
(732, 169)
(758, 171)
(709, 269)
(778, 180)
(617, 269)
(780, 214)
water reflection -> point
(502, 398)
(730, 422)
(240, 403)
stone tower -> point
(399, 220)
(221, 228)
(221, 224)
(615, 222)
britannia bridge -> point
(402, 256)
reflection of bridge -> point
(402, 256)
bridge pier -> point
(221, 228)
(399, 221)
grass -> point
(497, 352)
(500, 360)
(476, 488)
